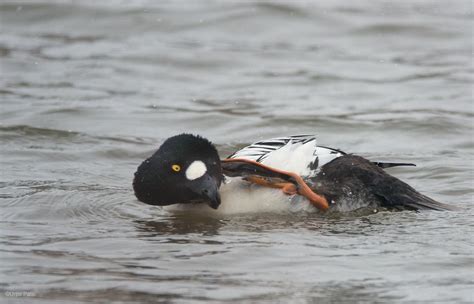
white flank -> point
(195, 170)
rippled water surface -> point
(90, 88)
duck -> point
(283, 174)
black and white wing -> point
(298, 154)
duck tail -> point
(419, 201)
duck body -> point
(346, 182)
(351, 182)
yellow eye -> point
(176, 168)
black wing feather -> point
(385, 165)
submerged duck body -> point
(346, 182)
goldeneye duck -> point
(187, 173)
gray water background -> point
(90, 88)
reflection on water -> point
(88, 90)
(179, 225)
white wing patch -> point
(261, 149)
(326, 154)
(298, 154)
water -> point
(89, 89)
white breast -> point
(239, 197)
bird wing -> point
(298, 154)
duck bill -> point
(207, 189)
(213, 198)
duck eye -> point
(176, 168)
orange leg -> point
(287, 188)
(318, 200)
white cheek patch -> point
(195, 170)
